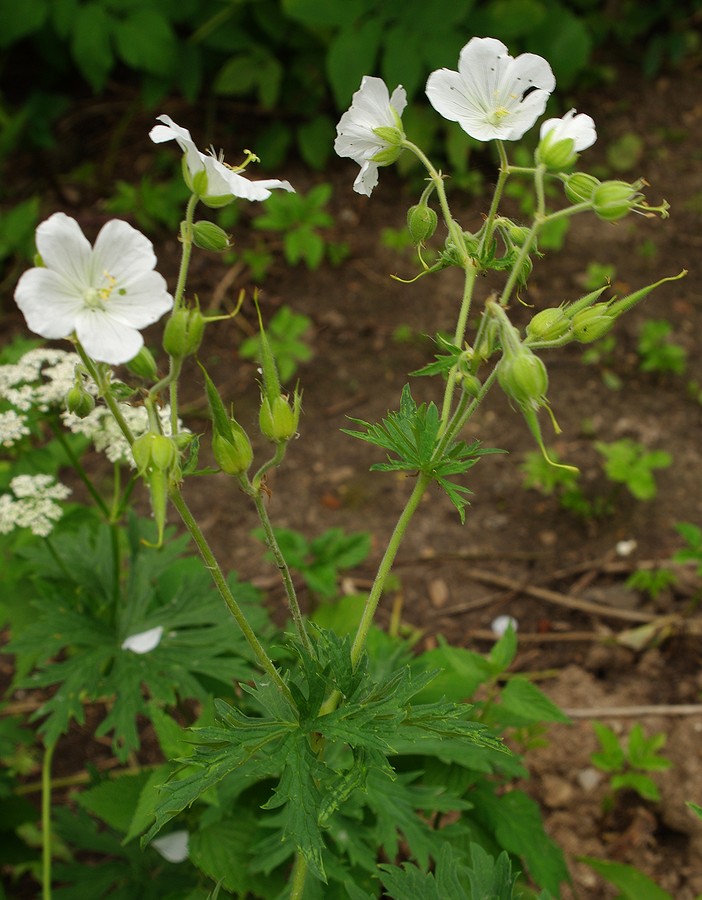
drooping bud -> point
(523, 377)
(592, 323)
(612, 200)
(421, 223)
(157, 461)
(518, 234)
(548, 325)
(183, 333)
(208, 236)
(579, 187)
(143, 365)
(79, 401)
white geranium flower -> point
(492, 95)
(104, 294)
(144, 641)
(370, 130)
(222, 180)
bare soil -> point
(455, 579)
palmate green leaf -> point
(444, 362)
(200, 643)
(632, 883)
(413, 435)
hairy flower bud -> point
(592, 323)
(183, 333)
(143, 365)
(233, 456)
(79, 401)
(421, 223)
(523, 377)
(548, 325)
(154, 452)
(278, 420)
(208, 236)
(579, 187)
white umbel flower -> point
(364, 129)
(32, 503)
(492, 95)
(222, 180)
(103, 294)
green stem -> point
(471, 273)
(489, 225)
(105, 393)
(280, 562)
(274, 461)
(186, 236)
(221, 583)
(297, 884)
(46, 821)
(385, 566)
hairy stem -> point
(221, 584)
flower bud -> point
(233, 457)
(612, 200)
(208, 236)
(579, 187)
(154, 452)
(278, 420)
(470, 384)
(548, 325)
(421, 223)
(524, 378)
(79, 401)
(556, 155)
(518, 234)
(183, 333)
(143, 365)
(592, 323)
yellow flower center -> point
(497, 115)
(95, 298)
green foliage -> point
(298, 217)
(598, 275)
(692, 535)
(631, 464)
(632, 884)
(17, 227)
(652, 581)
(285, 333)
(657, 353)
(629, 765)
(413, 434)
(320, 560)
(85, 608)
(154, 204)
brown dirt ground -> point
(455, 579)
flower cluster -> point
(31, 503)
(102, 429)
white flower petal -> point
(63, 247)
(123, 253)
(492, 95)
(104, 294)
(105, 338)
(48, 302)
(221, 180)
(144, 641)
(579, 128)
(173, 847)
(371, 107)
